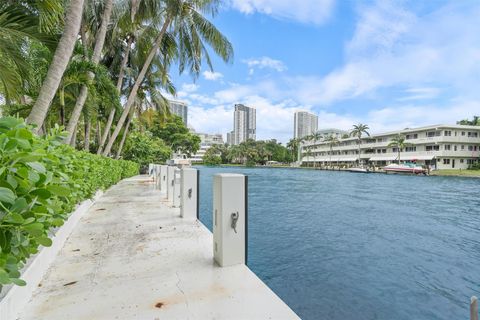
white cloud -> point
(305, 11)
(212, 75)
(264, 63)
(420, 94)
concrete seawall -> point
(132, 257)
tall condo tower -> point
(180, 109)
(244, 124)
(305, 123)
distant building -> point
(332, 132)
(180, 109)
(439, 146)
(244, 124)
(304, 124)
(207, 141)
(230, 138)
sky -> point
(388, 64)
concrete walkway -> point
(132, 257)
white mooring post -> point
(163, 178)
(189, 194)
(158, 171)
(176, 188)
(473, 308)
(150, 169)
(230, 219)
(170, 183)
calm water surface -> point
(339, 245)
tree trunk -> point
(138, 82)
(99, 42)
(88, 128)
(73, 141)
(58, 65)
(98, 131)
(119, 89)
(125, 133)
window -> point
(470, 148)
(447, 133)
(411, 136)
(473, 134)
(394, 149)
(463, 147)
(431, 134)
(432, 148)
(463, 133)
(461, 160)
(447, 147)
(446, 161)
(410, 149)
(454, 148)
(384, 150)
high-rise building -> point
(305, 123)
(244, 124)
(180, 109)
(230, 139)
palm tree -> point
(357, 131)
(99, 42)
(191, 30)
(315, 137)
(293, 145)
(59, 63)
(332, 141)
(400, 144)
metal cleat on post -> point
(163, 178)
(230, 219)
(189, 197)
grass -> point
(458, 173)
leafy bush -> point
(41, 181)
(143, 148)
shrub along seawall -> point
(41, 181)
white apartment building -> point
(304, 124)
(207, 141)
(439, 146)
(180, 109)
(244, 124)
(325, 133)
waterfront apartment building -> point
(230, 139)
(304, 124)
(207, 141)
(180, 109)
(439, 146)
(325, 133)
(244, 124)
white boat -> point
(359, 170)
(179, 160)
(407, 167)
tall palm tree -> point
(99, 42)
(59, 63)
(400, 143)
(191, 30)
(332, 141)
(315, 137)
(293, 145)
(357, 131)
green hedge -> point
(41, 181)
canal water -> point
(339, 245)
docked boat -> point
(407, 168)
(359, 170)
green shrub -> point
(41, 181)
(143, 148)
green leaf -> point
(18, 282)
(20, 205)
(42, 193)
(37, 166)
(44, 241)
(7, 195)
(35, 229)
(59, 190)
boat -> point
(359, 170)
(407, 167)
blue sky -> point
(389, 64)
